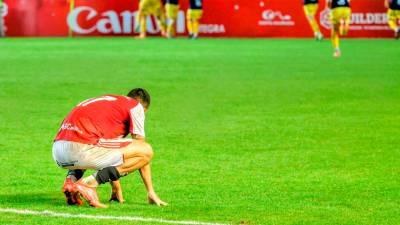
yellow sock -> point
(195, 24)
(335, 39)
(344, 28)
(189, 26)
(143, 25)
(162, 23)
(171, 29)
(314, 26)
(393, 24)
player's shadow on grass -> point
(36, 199)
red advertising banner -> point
(222, 18)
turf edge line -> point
(99, 217)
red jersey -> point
(104, 117)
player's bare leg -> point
(137, 155)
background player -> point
(393, 7)
(171, 9)
(340, 19)
(310, 9)
(148, 8)
(1, 19)
(194, 14)
(90, 138)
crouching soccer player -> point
(393, 16)
(90, 137)
(340, 19)
(147, 8)
(171, 9)
(310, 9)
(194, 14)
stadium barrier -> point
(222, 18)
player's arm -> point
(137, 123)
(116, 193)
(137, 132)
(145, 173)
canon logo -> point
(111, 22)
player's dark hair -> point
(140, 94)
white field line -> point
(47, 213)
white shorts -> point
(73, 155)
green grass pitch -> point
(260, 131)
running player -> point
(90, 137)
(310, 9)
(340, 19)
(172, 9)
(147, 8)
(393, 7)
(194, 14)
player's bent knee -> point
(148, 152)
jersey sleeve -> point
(137, 120)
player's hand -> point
(154, 199)
(116, 193)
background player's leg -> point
(397, 34)
(336, 40)
(310, 12)
(2, 33)
(314, 25)
(189, 27)
(315, 28)
(346, 25)
(171, 28)
(195, 25)
(161, 21)
(392, 21)
(142, 21)
(172, 13)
